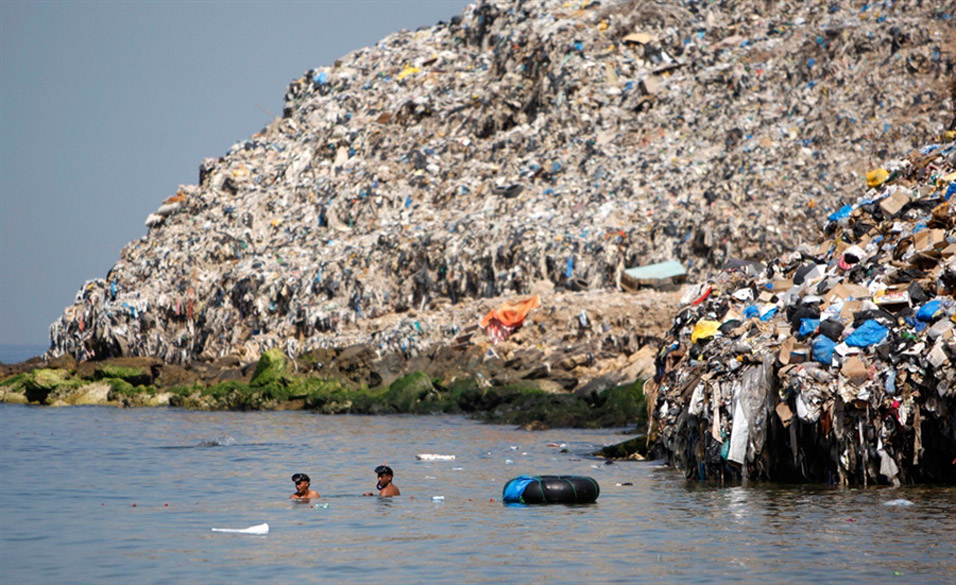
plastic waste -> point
(704, 330)
(258, 529)
(867, 334)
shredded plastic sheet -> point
(501, 322)
(751, 412)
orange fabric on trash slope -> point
(511, 313)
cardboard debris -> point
(640, 38)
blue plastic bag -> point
(808, 326)
(928, 312)
(841, 213)
(867, 334)
(768, 315)
(823, 349)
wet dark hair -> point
(383, 470)
(297, 477)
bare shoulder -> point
(390, 490)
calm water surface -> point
(104, 495)
(16, 353)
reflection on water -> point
(107, 495)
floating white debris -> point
(434, 457)
(257, 529)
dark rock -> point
(206, 371)
(170, 375)
(626, 449)
(354, 356)
(135, 370)
(233, 374)
(541, 371)
(317, 360)
(63, 362)
(229, 361)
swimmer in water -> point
(384, 486)
(302, 491)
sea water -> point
(12, 353)
(105, 495)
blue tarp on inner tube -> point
(514, 489)
(551, 489)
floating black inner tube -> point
(551, 489)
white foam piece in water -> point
(257, 529)
(901, 503)
(434, 457)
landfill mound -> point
(833, 363)
(519, 144)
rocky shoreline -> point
(578, 360)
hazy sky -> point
(107, 107)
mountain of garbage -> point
(535, 146)
(835, 362)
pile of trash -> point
(833, 363)
(520, 142)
